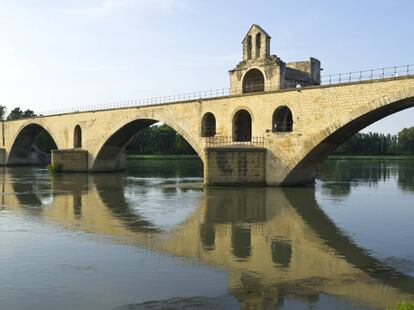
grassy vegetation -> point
(373, 157)
(362, 157)
(54, 168)
(402, 306)
(161, 157)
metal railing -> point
(333, 79)
(253, 87)
(368, 75)
(213, 93)
(225, 141)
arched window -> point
(77, 137)
(249, 47)
(208, 125)
(282, 120)
(242, 126)
(253, 81)
(258, 44)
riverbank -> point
(332, 157)
(369, 157)
(162, 157)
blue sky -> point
(56, 54)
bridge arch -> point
(253, 81)
(208, 125)
(322, 144)
(110, 153)
(21, 150)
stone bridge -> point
(273, 128)
(323, 117)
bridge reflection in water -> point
(274, 243)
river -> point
(154, 238)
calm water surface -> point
(151, 238)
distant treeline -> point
(16, 113)
(164, 140)
(157, 140)
(379, 144)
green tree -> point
(3, 111)
(18, 113)
(406, 141)
(159, 139)
(369, 144)
(44, 142)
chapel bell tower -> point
(260, 71)
(256, 44)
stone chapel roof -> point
(259, 28)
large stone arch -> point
(319, 146)
(108, 156)
(22, 144)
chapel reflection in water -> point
(274, 243)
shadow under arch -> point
(110, 155)
(21, 150)
(27, 188)
(110, 189)
(305, 169)
(304, 202)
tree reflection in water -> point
(338, 176)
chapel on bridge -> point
(260, 71)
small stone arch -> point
(242, 126)
(77, 137)
(249, 47)
(208, 125)
(258, 44)
(282, 120)
(253, 81)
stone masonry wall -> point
(235, 166)
(71, 160)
